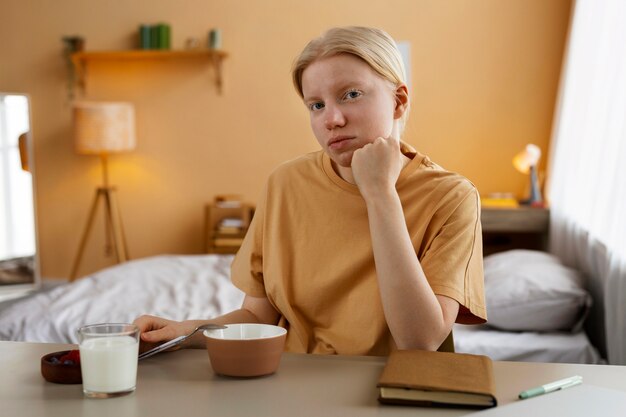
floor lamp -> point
(102, 128)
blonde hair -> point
(372, 45)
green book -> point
(144, 36)
(163, 31)
(154, 37)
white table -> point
(182, 383)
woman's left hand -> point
(376, 166)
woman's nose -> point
(334, 117)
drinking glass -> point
(108, 359)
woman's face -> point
(350, 105)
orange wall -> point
(484, 75)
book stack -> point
(155, 36)
(499, 200)
(229, 232)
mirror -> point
(19, 269)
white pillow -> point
(532, 291)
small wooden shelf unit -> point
(226, 242)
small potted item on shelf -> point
(192, 44)
(215, 39)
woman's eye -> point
(352, 94)
(316, 106)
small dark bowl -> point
(58, 372)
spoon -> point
(179, 340)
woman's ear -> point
(401, 94)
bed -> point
(198, 286)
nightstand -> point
(514, 228)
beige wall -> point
(484, 76)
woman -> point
(365, 246)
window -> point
(17, 220)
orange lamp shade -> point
(103, 127)
(527, 158)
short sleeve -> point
(247, 267)
(453, 263)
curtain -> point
(587, 177)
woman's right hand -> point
(157, 330)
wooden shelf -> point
(81, 60)
(136, 54)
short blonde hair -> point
(374, 46)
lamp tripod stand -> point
(114, 229)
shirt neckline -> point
(405, 148)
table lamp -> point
(526, 162)
(102, 128)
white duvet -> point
(175, 287)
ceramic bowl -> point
(53, 370)
(245, 350)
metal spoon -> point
(179, 340)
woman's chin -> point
(342, 167)
(343, 159)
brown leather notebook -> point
(425, 378)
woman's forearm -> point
(413, 312)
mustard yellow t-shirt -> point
(308, 250)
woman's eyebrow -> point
(338, 89)
(311, 99)
(346, 85)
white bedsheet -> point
(176, 287)
(559, 347)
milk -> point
(109, 364)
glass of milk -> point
(108, 359)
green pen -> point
(551, 387)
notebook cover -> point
(438, 371)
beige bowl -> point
(246, 349)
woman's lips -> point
(339, 143)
